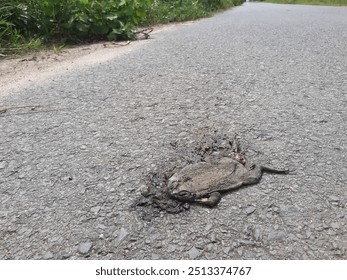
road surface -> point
(276, 75)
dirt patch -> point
(18, 72)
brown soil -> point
(18, 72)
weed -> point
(58, 49)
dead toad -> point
(203, 182)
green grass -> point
(311, 2)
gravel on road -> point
(274, 74)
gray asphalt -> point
(274, 74)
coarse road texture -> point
(274, 74)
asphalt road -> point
(274, 74)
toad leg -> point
(212, 200)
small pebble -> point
(194, 253)
(2, 164)
(95, 209)
(123, 233)
(249, 210)
(276, 235)
(226, 250)
(66, 255)
(171, 248)
(85, 247)
(48, 256)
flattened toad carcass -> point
(203, 182)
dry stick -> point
(119, 44)
(144, 32)
(33, 107)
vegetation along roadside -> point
(311, 2)
(35, 24)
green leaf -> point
(100, 30)
(113, 35)
(83, 18)
(122, 3)
(112, 17)
(82, 27)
